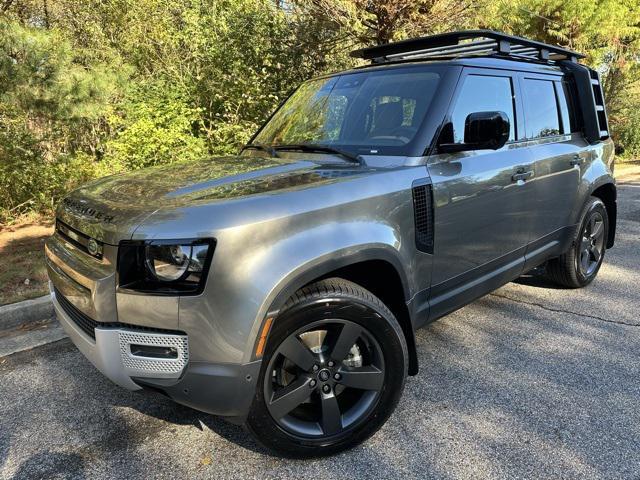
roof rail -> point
(466, 43)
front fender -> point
(301, 258)
(256, 266)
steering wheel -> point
(397, 135)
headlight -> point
(164, 267)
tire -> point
(589, 242)
(301, 409)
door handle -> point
(576, 161)
(522, 176)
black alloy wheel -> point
(324, 378)
(333, 371)
(591, 245)
(579, 265)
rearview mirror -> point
(482, 130)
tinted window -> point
(540, 109)
(481, 93)
(372, 112)
(566, 111)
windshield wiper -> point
(310, 147)
(258, 146)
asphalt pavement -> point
(532, 381)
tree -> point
(378, 22)
(607, 31)
(50, 109)
(89, 87)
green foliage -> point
(49, 109)
(383, 21)
(628, 133)
(153, 125)
(608, 31)
(101, 86)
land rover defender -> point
(281, 288)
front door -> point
(482, 199)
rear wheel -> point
(333, 372)
(579, 265)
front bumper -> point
(111, 352)
(220, 389)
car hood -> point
(110, 209)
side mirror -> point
(482, 130)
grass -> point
(23, 274)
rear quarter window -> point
(567, 109)
(541, 115)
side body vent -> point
(423, 215)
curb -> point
(28, 311)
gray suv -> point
(281, 288)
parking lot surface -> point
(532, 381)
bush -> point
(154, 125)
(627, 136)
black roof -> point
(465, 44)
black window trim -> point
(563, 129)
(575, 104)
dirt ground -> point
(22, 270)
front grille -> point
(79, 240)
(88, 325)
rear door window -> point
(541, 115)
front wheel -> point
(333, 372)
(580, 264)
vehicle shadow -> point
(52, 465)
(537, 278)
(528, 384)
(161, 407)
(65, 433)
(501, 386)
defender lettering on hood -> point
(80, 207)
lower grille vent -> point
(88, 325)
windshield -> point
(370, 112)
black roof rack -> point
(466, 43)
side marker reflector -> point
(262, 342)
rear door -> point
(482, 213)
(557, 151)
